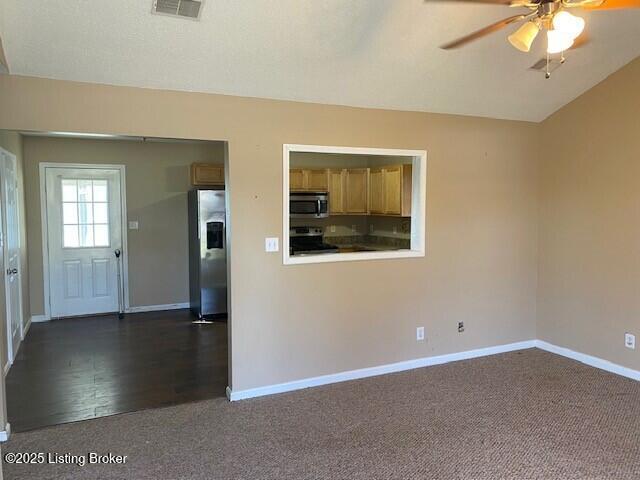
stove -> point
(308, 241)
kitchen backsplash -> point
(370, 240)
(343, 229)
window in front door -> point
(85, 213)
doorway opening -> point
(113, 326)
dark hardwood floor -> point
(81, 368)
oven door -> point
(313, 205)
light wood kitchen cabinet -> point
(376, 190)
(393, 190)
(348, 191)
(317, 180)
(390, 190)
(357, 190)
(313, 180)
(296, 179)
(336, 191)
(206, 174)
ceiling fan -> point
(563, 28)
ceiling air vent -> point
(541, 65)
(178, 8)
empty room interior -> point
(324, 239)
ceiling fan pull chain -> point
(547, 73)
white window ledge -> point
(351, 256)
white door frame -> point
(45, 227)
(11, 355)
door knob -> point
(12, 271)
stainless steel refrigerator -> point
(207, 253)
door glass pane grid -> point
(85, 213)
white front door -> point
(11, 252)
(84, 229)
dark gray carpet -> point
(521, 415)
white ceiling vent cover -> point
(178, 8)
(541, 65)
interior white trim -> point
(589, 360)
(157, 308)
(418, 205)
(11, 354)
(374, 371)
(6, 433)
(45, 228)
(39, 318)
(6, 368)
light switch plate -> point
(271, 244)
(133, 225)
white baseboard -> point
(589, 360)
(157, 308)
(26, 328)
(374, 371)
(6, 368)
(140, 309)
(429, 361)
(6, 433)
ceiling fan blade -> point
(494, 27)
(613, 5)
(491, 2)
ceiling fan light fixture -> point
(567, 23)
(558, 41)
(524, 36)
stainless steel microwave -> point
(309, 205)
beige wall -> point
(588, 294)
(292, 322)
(157, 177)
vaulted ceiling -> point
(368, 53)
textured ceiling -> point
(369, 53)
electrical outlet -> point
(420, 334)
(460, 327)
(630, 341)
(333, 229)
(371, 228)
